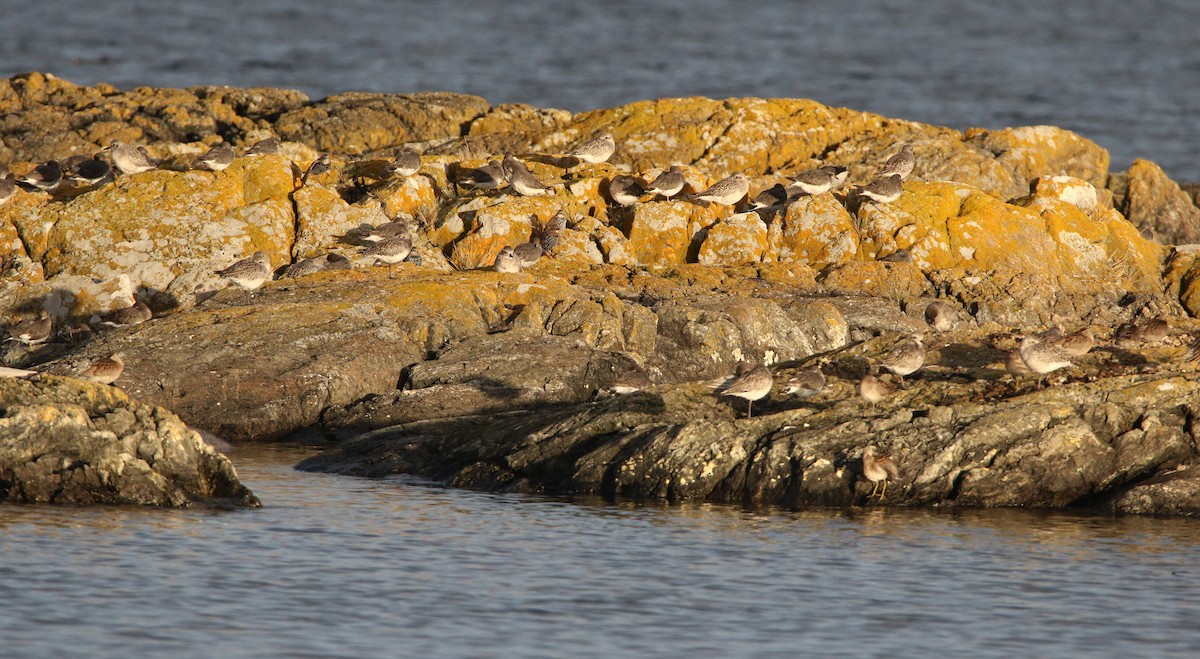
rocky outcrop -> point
(1156, 205)
(72, 442)
(961, 433)
(1015, 228)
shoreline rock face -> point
(1017, 229)
(67, 441)
(958, 438)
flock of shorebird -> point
(392, 243)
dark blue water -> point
(1125, 74)
(338, 566)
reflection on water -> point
(340, 566)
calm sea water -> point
(1124, 73)
(338, 566)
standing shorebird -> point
(249, 273)
(391, 251)
(668, 184)
(105, 371)
(8, 187)
(752, 385)
(883, 190)
(900, 164)
(907, 357)
(1043, 354)
(878, 469)
(728, 191)
(129, 159)
(595, 151)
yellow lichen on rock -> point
(734, 240)
(156, 225)
(813, 229)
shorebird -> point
(940, 316)
(406, 164)
(900, 164)
(1078, 344)
(883, 190)
(522, 180)
(625, 190)
(898, 256)
(595, 151)
(488, 177)
(1043, 355)
(728, 191)
(218, 158)
(8, 188)
(752, 385)
(335, 261)
(878, 469)
(136, 314)
(305, 267)
(838, 173)
(390, 251)
(773, 197)
(249, 273)
(907, 357)
(266, 147)
(397, 228)
(105, 371)
(527, 254)
(667, 184)
(45, 177)
(129, 159)
(634, 379)
(1154, 330)
(548, 235)
(813, 181)
(506, 261)
(1015, 365)
(33, 331)
(873, 390)
(90, 172)
(316, 168)
(806, 383)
